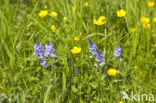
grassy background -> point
(23, 80)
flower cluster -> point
(99, 57)
(117, 52)
(40, 53)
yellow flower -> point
(73, 9)
(77, 38)
(43, 13)
(133, 30)
(146, 26)
(121, 102)
(76, 50)
(145, 20)
(154, 20)
(121, 13)
(112, 72)
(150, 4)
(86, 4)
(65, 18)
(53, 28)
(100, 21)
(53, 14)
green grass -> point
(24, 80)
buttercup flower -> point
(146, 26)
(133, 30)
(154, 20)
(39, 50)
(65, 18)
(43, 13)
(77, 38)
(145, 20)
(121, 13)
(53, 28)
(117, 51)
(100, 21)
(121, 102)
(53, 14)
(86, 4)
(73, 9)
(112, 72)
(49, 50)
(76, 50)
(150, 4)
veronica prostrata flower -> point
(49, 50)
(100, 58)
(39, 50)
(117, 51)
(92, 47)
(42, 61)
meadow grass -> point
(24, 80)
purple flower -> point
(75, 70)
(39, 50)
(96, 65)
(49, 50)
(100, 58)
(92, 47)
(117, 51)
(120, 59)
(42, 61)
